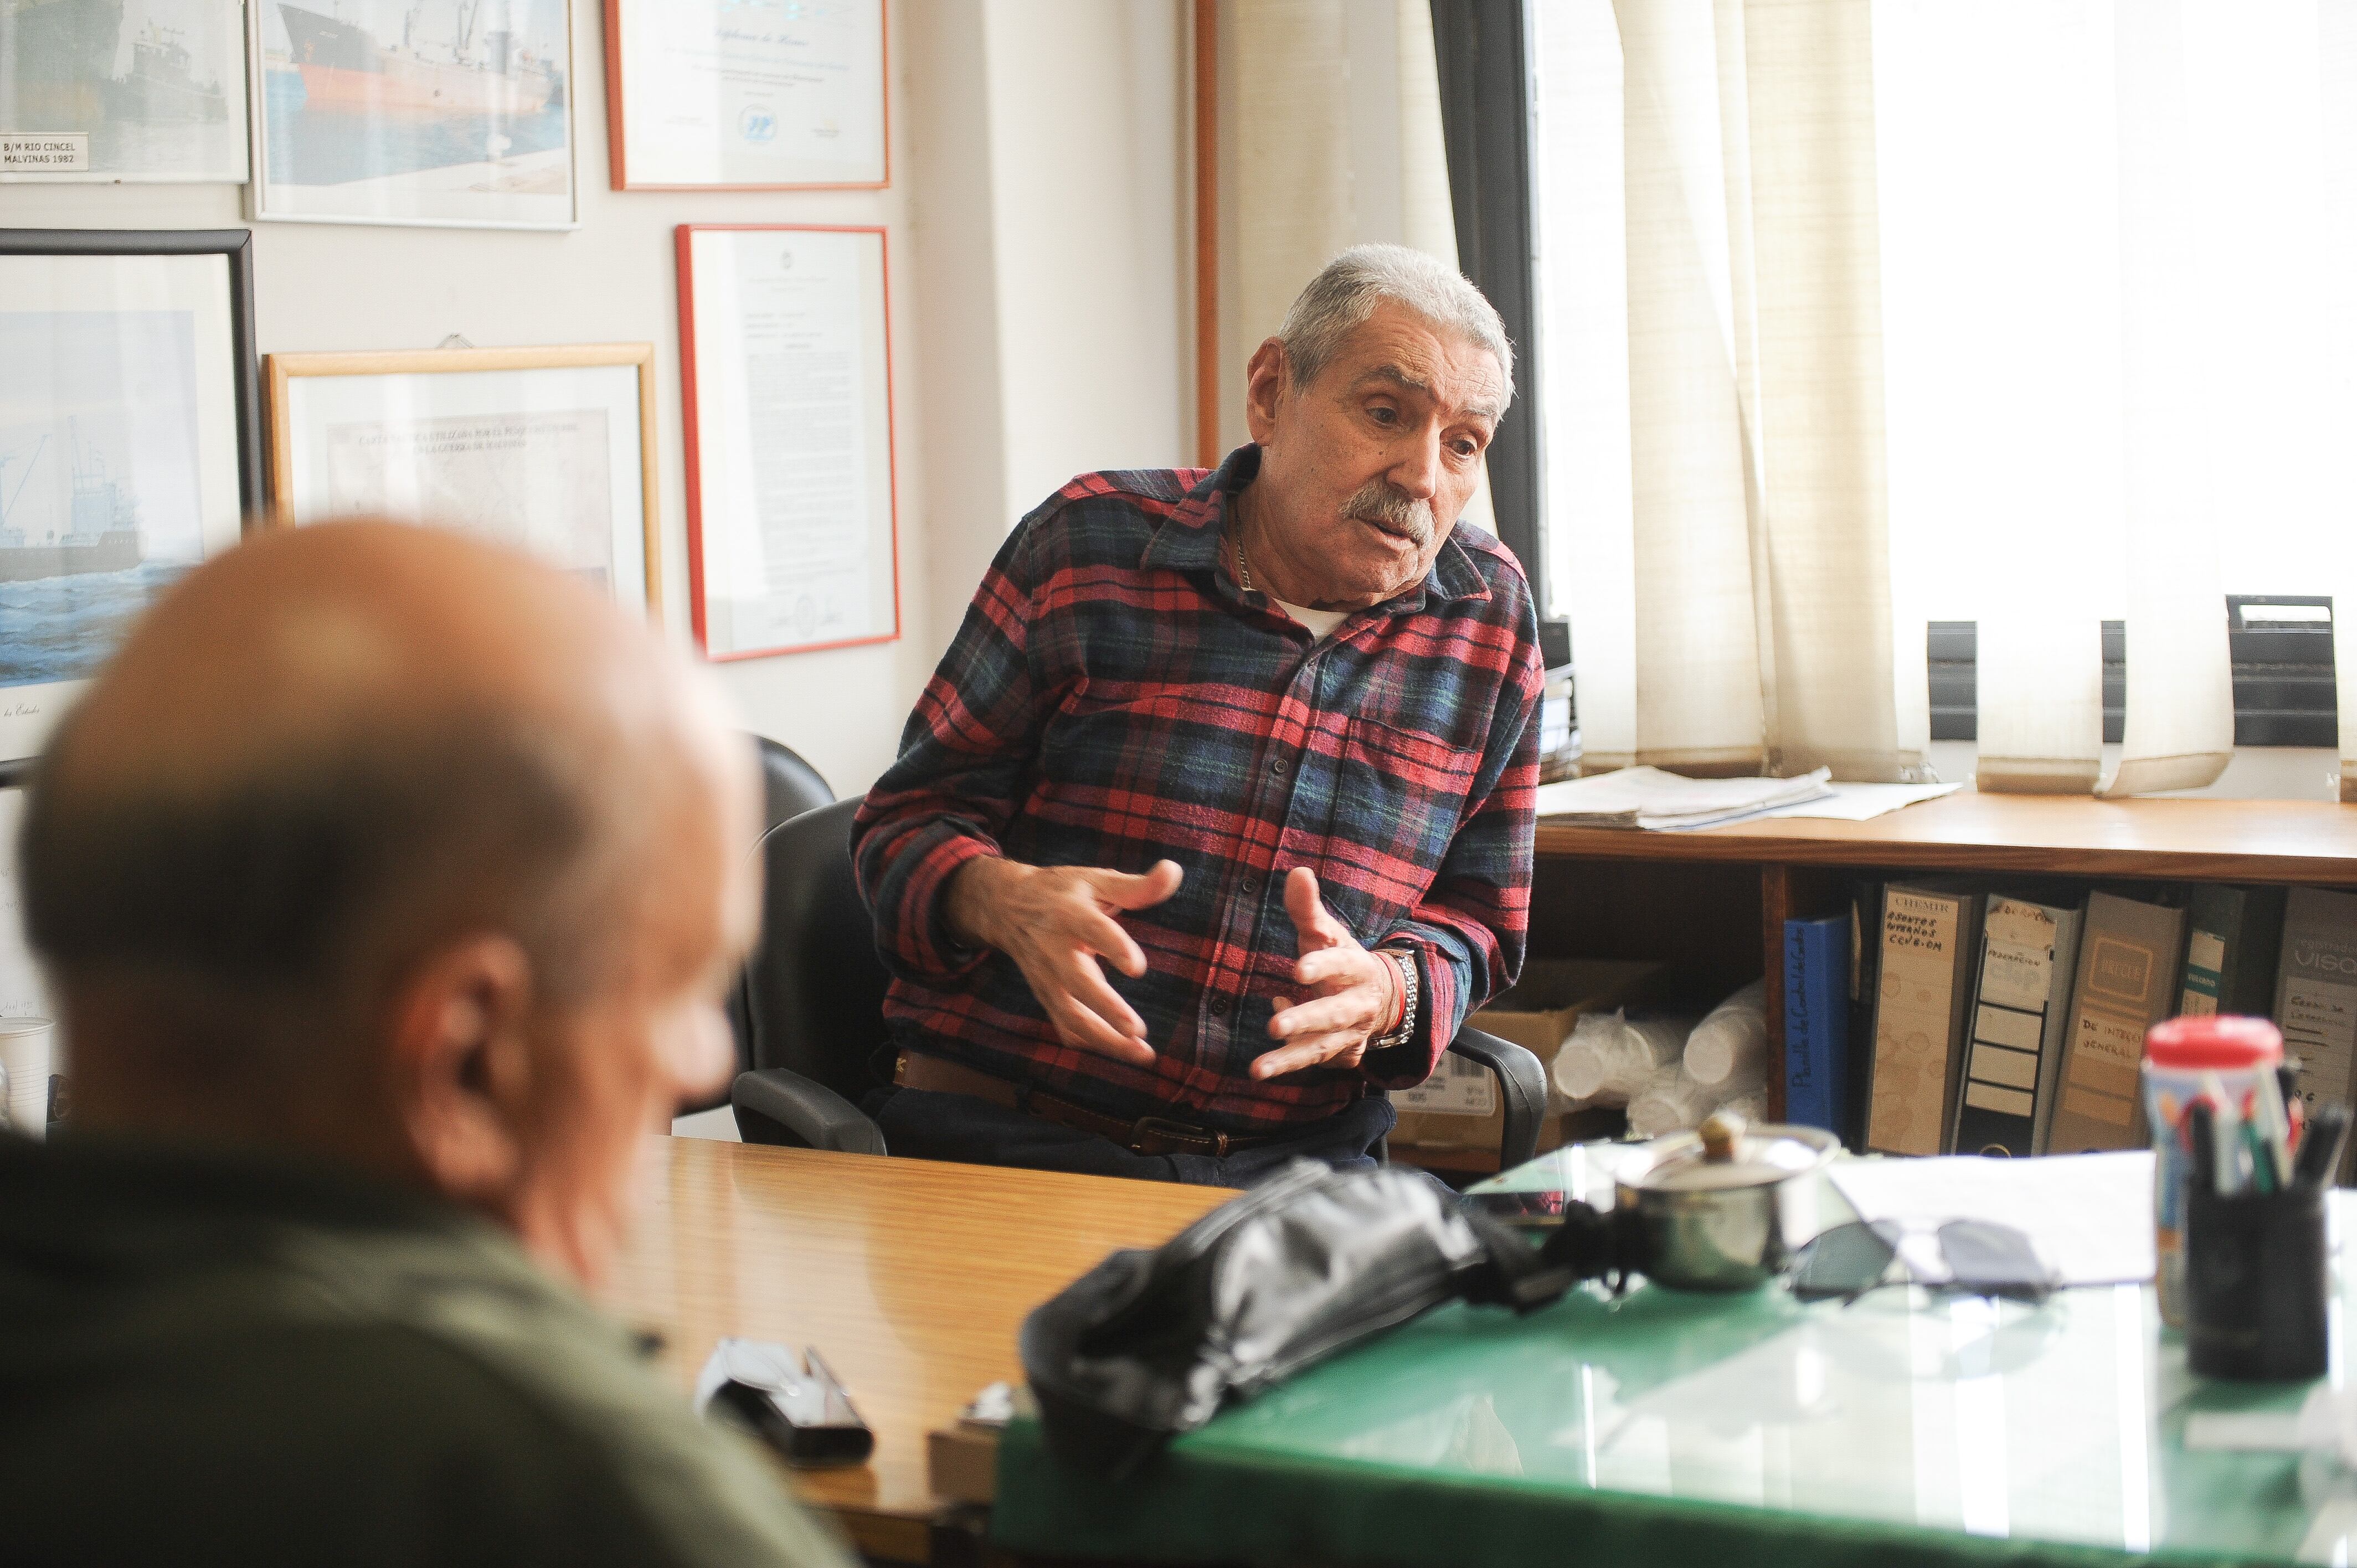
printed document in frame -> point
(786, 357)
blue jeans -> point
(923, 1124)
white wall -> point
(1035, 202)
(1051, 218)
(1088, 162)
(1355, 104)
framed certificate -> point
(785, 348)
(458, 115)
(549, 450)
(130, 444)
(747, 94)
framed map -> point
(549, 450)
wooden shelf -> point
(1714, 903)
(2311, 842)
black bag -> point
(1149, 1343)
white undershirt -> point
(1321, 623)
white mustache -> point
(1379, 504)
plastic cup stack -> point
(1610, 1058)
(1672, 1102)
(1729, 1047)
(24, 1052)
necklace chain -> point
(1244, 567)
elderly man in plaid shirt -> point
(1216, 818)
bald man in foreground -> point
(387, 884)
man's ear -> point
(1264, 380)
(462, 1065)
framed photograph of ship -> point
(449, 113)
(747, 94)
(130, 444)
(122, 91)
(550, 450)
(785, 349)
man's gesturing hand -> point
(1055, 922)
(1352, 992)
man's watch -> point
(1409, 987)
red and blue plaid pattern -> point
(1112, 699)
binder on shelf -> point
(1865, 976)
(2231, 939)
(2129, 957)
(2021, 1000)
(1931, 933)
(2316, 992)
(1817, 1021)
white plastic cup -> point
(1733, 1041)
(26, 1047)
(1610, 1058)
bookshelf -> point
(1714, 903)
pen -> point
(2275, 1127)
(2320, 1151)
(2200, 1130)
(2263, 1158)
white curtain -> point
(1333, 108)
(2056, 370)
(2033, 313)
(1712, 335)
(2337, 115)
(2179, 732)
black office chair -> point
(812, 999)
(809, 1012)
(789, 786)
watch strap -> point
(1411, 985)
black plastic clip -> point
(800, 1411)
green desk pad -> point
(1674, 1428)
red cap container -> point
(2218, 1044)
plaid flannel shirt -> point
(1114, 699)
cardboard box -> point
(1455, 1120)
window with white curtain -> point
(2008, 247)
(1858, 314)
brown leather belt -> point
(1146, 1136)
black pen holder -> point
(2258, 1284)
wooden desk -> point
(911, 1278)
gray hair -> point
(1345, 294)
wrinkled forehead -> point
(1452, 371)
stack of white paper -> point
(1862, 803)
(1649, 798)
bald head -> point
(328, 755)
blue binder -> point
(1816, 1022)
